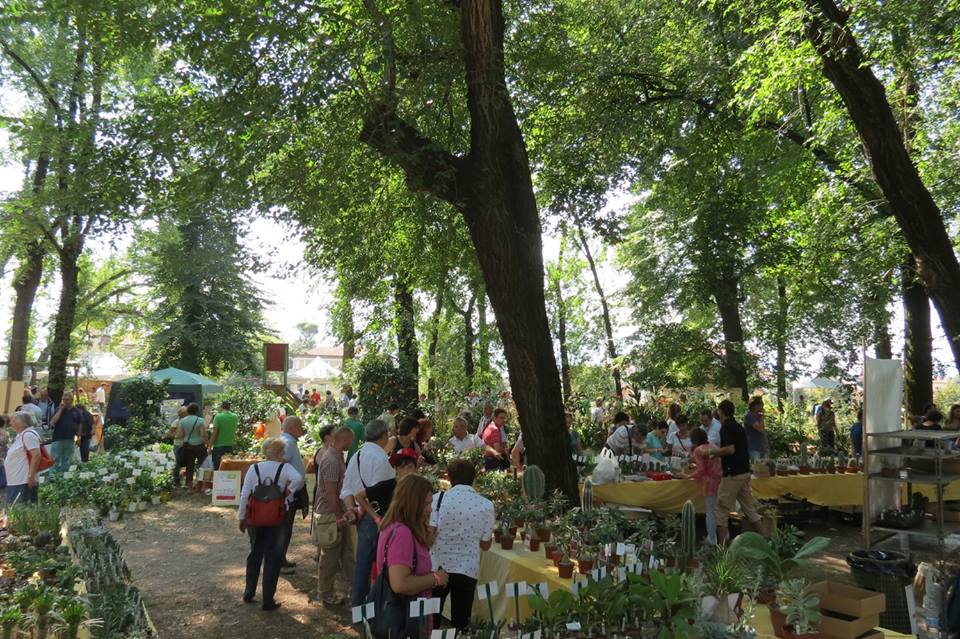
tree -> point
(306, 338)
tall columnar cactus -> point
(534, 483)
(804, 461)
(688, 533)
(586, 501)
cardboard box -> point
(948, 515)
(849, 601)
(840, 626)
(870, 634)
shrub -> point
(252, 405)
(137, 434)
(143, 396)
(379, 381)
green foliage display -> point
(143, 396)
(252, 405)
(379, 381)
(136, 434)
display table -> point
(823, 490)
(243, 465)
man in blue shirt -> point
(66, 426)
(856, 434)
(292, 431)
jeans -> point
(218, 453)
(193, 455)
(62, 453)
(21, 494)
(177, 464)
(367, 536)
(461, 589)
(710, 504)
(337, 558)
(265, 550)
(84, 449)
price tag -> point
(541, 589)
(73, 467)
(579, 585)
(630, 549)
(487, 591)
(573, 626)
(421, 606)
(362, 613)
(446, 633)
(621, 548)
(516, 589)
(598, 573)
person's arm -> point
(515, 458)
(486, 538)
(249, 482)
(57, 415)
(402, 581)
(34, 467)
(330, 492)
(213, 435)
(758, 423)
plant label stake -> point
(541, 589)
(447, 633)
(422, 606)
(597, 574)
(488, 591)
(363, 613)
(579, 585)
(515, 590)
(536, 634)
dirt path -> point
(187, 557)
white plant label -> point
(648, 545)
(131, 481)
(542, 588)
(362, 613)
(103, 471)
(578, 586)
(597, 574)
(488, 590)
(73, 467)
(536, 634)
(621, 548)
(516, 589)
(573, 626)
(447, 633)
(137, 472)
(421, 606)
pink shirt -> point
(400, 552)
(492, 435)
(709, 471)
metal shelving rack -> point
(930, 528)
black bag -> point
(951, 615)
(392, 611)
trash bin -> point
(889, 573)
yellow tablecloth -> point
(822, 490)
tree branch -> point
(41, 85)
(385, 26)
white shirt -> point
(463, 520)
(713, 432)
(484, 420)
(597, 414)
(619, 441)
(370, 465)
(35, 411)
(101, 396)
(469, 442)
(671, 428)
(16, 464)
(680, 447)
(290, 482)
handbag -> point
(326, 531)
(392, 611)
(46, 459)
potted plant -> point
(588, 556)
(800, 610)
(723, 579)
(776, 557)
(561, 557)
(507, 535)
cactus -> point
(688, 534)
(586, 501)
(804, 461)
(534, 483)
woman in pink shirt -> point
(708, 471)
(404, 546)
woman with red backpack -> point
(264, 499)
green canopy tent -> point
(181, 384)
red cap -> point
(402, 455)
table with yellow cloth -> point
(823, 490)
(243, 465)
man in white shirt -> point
(461, 439)
(597, 413)
(100, 397)
(293, 431)
(389, 417)
(462, 522)
(627, 439)
(485, 419)
(368, 467)
(710, 424)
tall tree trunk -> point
(562, 337)
(883, 343)
(469, 339)
(483, 335)
(407, 350)
(432, 348)
(914, 208)
(66, 313)
(783, 317)
(492, 188)
(349, 334)
(26, 282)
(917, 341)
(605, 310)
(727, 296)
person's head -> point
(621, 418)
(929, 407)
(293, 426)
(27, 397)
(44, 393)
(272, 449)
(698, 437)
(411, 505)
(182, 412)
(67, 400)
(326, 435)
(569, 417)
(393, 408)
(500, 417)
(353, 411)
(193, 408)
(103, 384)
(376, 431)
(827, 403)
(460, 427)
(21, 420)
(933, 416)
(408, 427)
(638, 433)
(424, 428)
(225, 406)
(706, 416)
(404, 462)
(329, 393)
(673, 410)
(462, 472)
(488, 409)
(418, 414)
(860, 412)
(342, 439)
(682, 423)
(726, 409)
(756, 405)
(658, 428)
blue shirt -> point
(68, 426)
(291, 453)
(856, 438)
(654, 442)
(756, 439)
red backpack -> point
(268, 503)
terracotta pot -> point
(778, 620)
(853, 470)
(506, 543)
(804, 470)
(534, 545)
(513, 531)
(497, 535)
(566, 570)
(767, 596)
(543, 534)
(518, 522)
(548, 550)
(613, 560)
(585, 566)
(557, 556)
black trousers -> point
(193, 456)
(84, 449)
(461, 589)
(265, 544)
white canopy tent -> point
(814, 383)
(316, 372)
